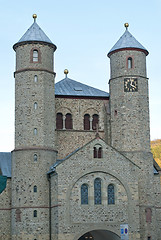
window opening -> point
(35, 105)
(94, 121)
(35, 188)
(86, 122)
(35, 131)
(35, 56)
(35, 157)
(84, 194)
(35, 213)
(35, 78)
(59, 121)
(111, 194)
(68, 121)
(97, 152)
(97, 191)
(129, 62)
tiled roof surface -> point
(69, 87)
(127, 40)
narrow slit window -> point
(97, 191)
(35, 213)
(84, 194)
(35, 157)
(35, 188)
(129, 62)
(35, 105)
(35, 55)
(35, 131)
(111, 194)
(35, 78)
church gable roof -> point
(127, 41)
(69, 87)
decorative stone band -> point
(57, 205)
(35, 148)
(126, 76)
(34, 69)
(34, 42)
(126, 49)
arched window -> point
(111, 194)
(68, 121)
(35, 188)
(59, 121)
(94, 121)
(148, 212)
(35, 78)
(35, 131)
(84, 194)
(97, 151)
(129, 63)
(86, 122)
(35, 105)
(35, 55)
(97, 191)
(35, 213)
(35, 157)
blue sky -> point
(84, 31)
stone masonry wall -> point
(5, 212)
(75, 219)
(69, 140)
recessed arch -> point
(99, 234)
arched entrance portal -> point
(99, 235)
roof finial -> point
(126, 25)
(34, 17)
(66, 72)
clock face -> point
(130, 84)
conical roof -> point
(127, 41)
(34, 34)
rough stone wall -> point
(5, 212)
(28, 173)
(69, 140)
(129, 110)
(27, 118)
(75, 219)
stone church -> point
(82, 167)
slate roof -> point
(69, 87)
(35, 34)
(5, 163)
(127, 40)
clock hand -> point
(132, 85)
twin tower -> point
(35, 122)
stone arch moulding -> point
(64, 110)
(94, 170)
(90, 111)
(112, 229)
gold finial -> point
(126, 25)
(34, 17)
(66, 72)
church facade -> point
(82, 166)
